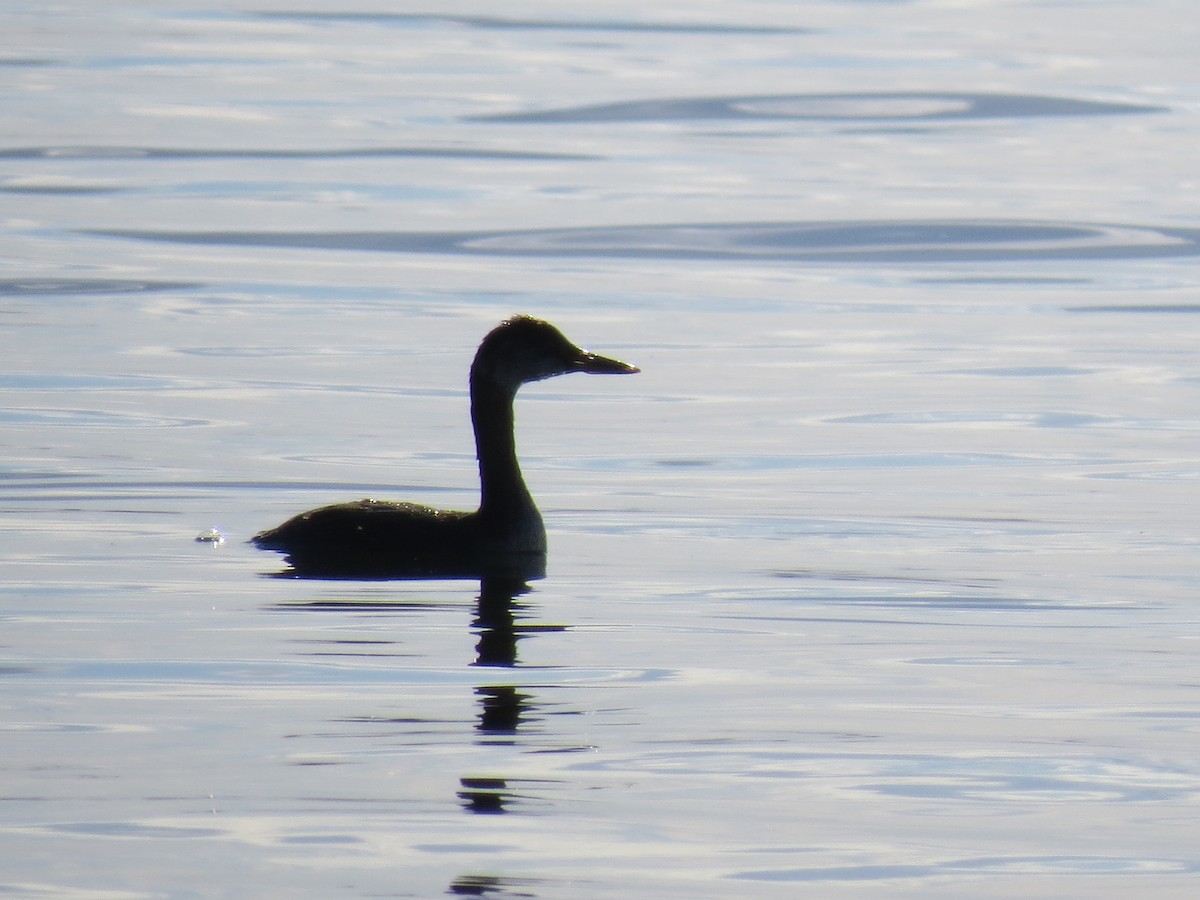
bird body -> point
(505, 536)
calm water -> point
(880, 580)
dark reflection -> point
(910, 106)
(497, 644)
(490, 886)
(503, 709)
(488, 795)
(496, 621)
(362, 604)
(485, 796)
(516, 568)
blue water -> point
(879, 580)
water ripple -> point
(912, 106)
(425, 19)
(94, 418)
(864, 241)
(53, 287)
(1038, 865)
(189, 153)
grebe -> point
(385, 539)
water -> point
(879, 580)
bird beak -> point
(595, 364)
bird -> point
(504, 537)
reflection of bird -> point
(377, 538)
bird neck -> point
(502, 489)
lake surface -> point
(881, 579)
